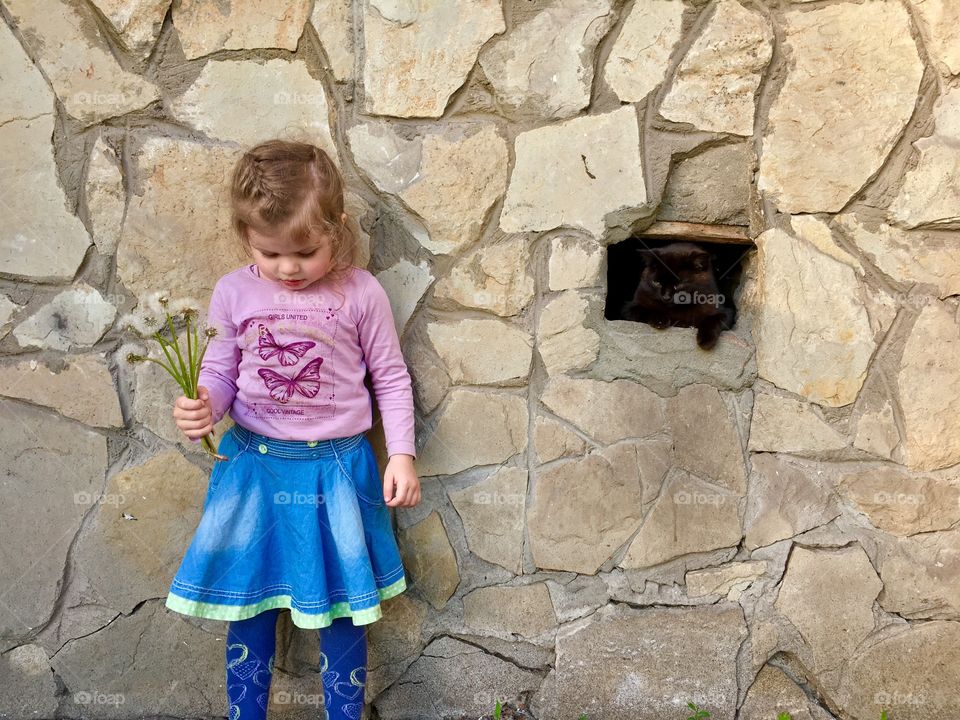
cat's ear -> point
(645, 255)
(701, 261)
(714, 259)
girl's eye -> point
(308, 253)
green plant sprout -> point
(784, 716)
(496, 711)
(698, 714)
(183, 365)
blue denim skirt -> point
(291, 524)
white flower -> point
(127, 349)
(142, 324)
(156, 304)
(178, 307)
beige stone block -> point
(428, 556)
(96, 404)
(574, 173)
(474, 428)
(493, 278)
(509, 611)
(844, 84)
(205, 26)
(544, 65)
(640, 56)
(482, 352)
(715, 83)
(493, 512)
(606, 411)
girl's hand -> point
(401, 488)
(194, 417)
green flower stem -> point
(176, 347)
(163, 346)
(211, 450)
(158, 362)
(203, 352)
(196, 348)
(190, 365)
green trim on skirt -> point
(215, 611)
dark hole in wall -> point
(675, 282)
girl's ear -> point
(343, 218)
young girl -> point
(296, 517)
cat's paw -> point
(707, 337)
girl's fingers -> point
(201, 414)
(195, 425)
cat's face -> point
(674, 268)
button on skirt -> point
(291, 524)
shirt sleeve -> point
(388, 371)
(220, 367)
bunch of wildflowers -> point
(151, 322)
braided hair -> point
(282, 187)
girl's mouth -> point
(292, 283)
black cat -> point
(678, 288)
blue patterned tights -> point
(250, 649)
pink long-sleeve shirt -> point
(290, 364)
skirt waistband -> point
(294, 449)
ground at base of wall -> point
(507, 712)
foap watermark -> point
(886, 698)
(896, 498)
(83, 497)
(285, 697)
(487, 698)
(114, 298)
(912, 302)
(684, 497)
(485, 298)
(683, 297)
(282, 497)
(482, 497)
(94, 697)
(292, 298)
(298, 98)
(99, 98)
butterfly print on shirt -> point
(289, 354)
(282, 388)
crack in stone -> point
(81, 637)
(494, 653)
(586, 168)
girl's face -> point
(283, 260)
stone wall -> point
(614, 521)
